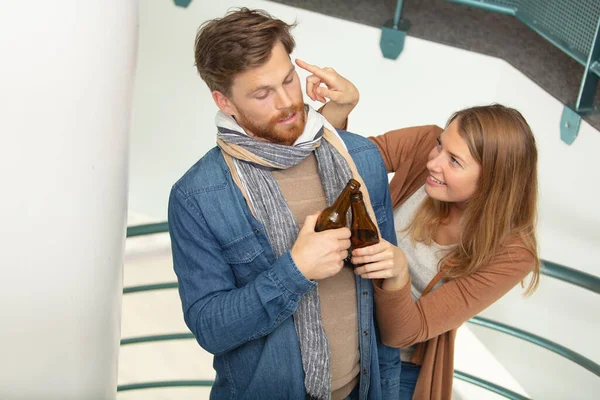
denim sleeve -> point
(220, 315)
(389, 357)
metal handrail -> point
(539, 341)
(148, 288)
(487, 6)
(548, 268)
(502, 391)
(497, 326)
(557, 271)
(181, 336)
(147, 229)
(162, 384)
(156, 338)
(570, 275)
(509, 394)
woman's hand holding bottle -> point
(382, 261)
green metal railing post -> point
(393, 34)
(571, 118)
(589, 83)
(182, 3)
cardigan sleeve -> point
(405, 152)
(343, 127)
(403, 322)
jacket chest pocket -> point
(243, 255)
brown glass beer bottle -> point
(334, 216)
(364, 231)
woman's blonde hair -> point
(504, 205)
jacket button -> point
(255, 230)
(365, 333)
(365, 293)
(364, 371)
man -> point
(242, 223)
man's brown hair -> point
(236, 43)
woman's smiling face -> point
(453, 172)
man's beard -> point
(285, 135)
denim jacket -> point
(238, 299)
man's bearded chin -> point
(275, 132)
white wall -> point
(173, 113)
(173, 127)
(66, 85)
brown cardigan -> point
(432, 321)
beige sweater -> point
(302, 190)
(431, 322)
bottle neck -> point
(360, 217)
(359, 210)
(342, 203)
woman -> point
(464, 203)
